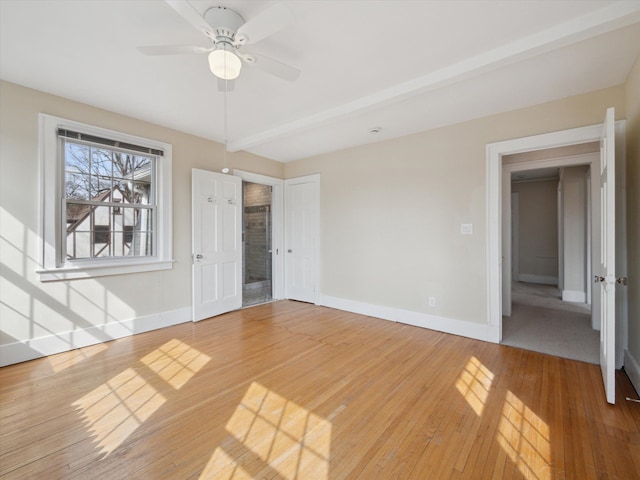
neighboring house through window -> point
(106, 201)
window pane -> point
(143, 168)
(101, 234)
(137, 230)
(128, 234)
(77, 165)
(122, 168)
(78, 244)
(75, 214)
(77, 158)
(132, 177)
(122, 230)
(77, 186)
(141, 193)
(101, 173)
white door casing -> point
(302, 238)
(498, 193)
(217, 247)
(606, 276)
(277, 226)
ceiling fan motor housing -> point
(225, 23)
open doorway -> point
(551, 257)
(608, 247)
(257, 275)
(263, 279)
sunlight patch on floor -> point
(525, 438)
(115, 409)
(175, 362)
(272, 436)
(474, 384)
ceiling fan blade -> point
(191, 15)
(172, 49)
(265, 24)
(271, 66)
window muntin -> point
(101, 187)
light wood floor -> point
(289, 390)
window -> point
(97, 181)
(106, 201)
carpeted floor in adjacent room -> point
(542, 322)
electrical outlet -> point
(432, 301)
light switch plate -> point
(466, 229)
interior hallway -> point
(542, 322)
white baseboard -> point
(574, 296)
(632, 369)
(541, 279)
(61, 342)
(478, 331)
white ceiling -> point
(538, 174)
(405, 66)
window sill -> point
(103, 269)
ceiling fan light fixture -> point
(224, 64)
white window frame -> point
(51, 229)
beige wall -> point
(390, 214)
(538, 233)
(573, 187)
(632, 91)
(31, 309)
(391, 211)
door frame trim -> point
(277, 226)
(494, 210)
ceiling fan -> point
(227, 33)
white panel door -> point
(217, 249)
(606, 276)
(301, 212)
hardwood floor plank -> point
(291, 390)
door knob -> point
(290, 251)
(199, 257)
(621, 280)
(598, 278)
